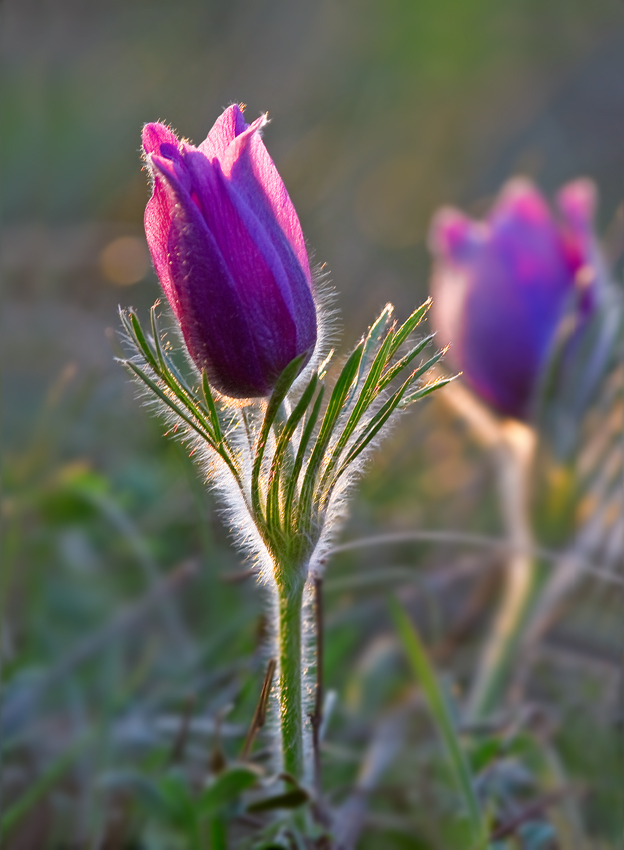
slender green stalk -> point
(290, 679)
(515, 454)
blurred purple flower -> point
(229, 252)
(502, 286)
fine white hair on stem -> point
(327, 323)
(282, 469)
(309, 670)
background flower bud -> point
(502, 286)
(228, 249)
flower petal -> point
(248, 165)
(214, 321)
(252, 260)
(228, 125)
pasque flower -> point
(228, 249)
(502, 286)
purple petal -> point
(214, 321)
(228, 125)
(501, 288)
(250, 168)
(158, 211)
(452, 234)
(252, 261)
(156, 134)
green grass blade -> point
(440, 712)
(13, 817)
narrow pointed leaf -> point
(132, 324)
(410, 325)
(212, 408)
(398, 367)
(297, 466)
(367, 395)
(425, 391)
(282, 443)
(441, 714)
(162, 395)
(169, 370)
(334, 407)
(284, 383)
(371, 345)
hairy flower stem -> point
(290, 682)
(514, 454)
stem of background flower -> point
(290, 682)
(514, 455)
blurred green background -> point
(119, 594)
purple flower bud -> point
(501, 286)
(228, 249)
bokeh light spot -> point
(125, 260)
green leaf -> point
(376, 380)
(284, 383)
(303, 445)
(410, 325)
(442, 717)
(426, 390)
(212, 408)
(370, 430)
(176, 383)
(168, 370)
(334, 407)
(133, 326)
(427, 365)
(367, 395)
(398, 367)
(287, 800)
(179, 804)
(226, 788)
(371, 345)
(162, 395)
(295, 417)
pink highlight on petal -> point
(577, 203)
(226, 128)
(252, 171)
(156, 134)
(519, 199)
(452, 232)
